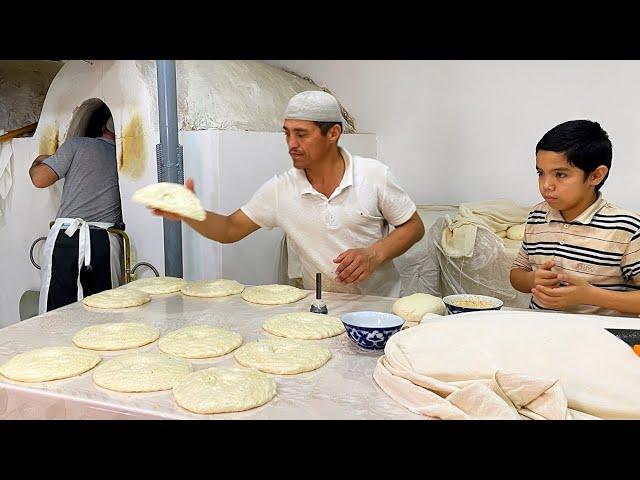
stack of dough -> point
(49, 363)
(304, 325)
(273, 294)
(171, 197)
(157, 285)
(413, 307)
(117, 298)
(219, 390)
(212, 288)
(115, 336)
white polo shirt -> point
(356, 215)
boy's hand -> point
(545, 277)
(578, 292)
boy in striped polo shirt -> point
(580, 253)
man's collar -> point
(347, 177)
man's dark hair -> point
(585, 144)
(325, 126)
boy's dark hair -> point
(585, 144)
(325, 126)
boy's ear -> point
(596, 177)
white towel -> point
(458, 239)
(511, 365)
(6, 180)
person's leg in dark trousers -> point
(63, 288)
(97, 278)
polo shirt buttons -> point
(566, 225)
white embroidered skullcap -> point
(314, 105)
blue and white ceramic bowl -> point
(471, 303)
(371, 330)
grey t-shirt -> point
(90, 172)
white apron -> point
(71, 225)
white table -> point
(342, 389)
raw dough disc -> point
(171, 197)
(49, 363)
(212, 288)
(273, 294)
(282, 356)
(115, 336)
(304, 325)
(141, 372)
(157, 285)
(222, 389)
(117, 298)
(200, 341)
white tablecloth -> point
(342, 389)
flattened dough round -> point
(273, 294)
(115, 336)
(117, 298)
(200, 341)
(413, 307)
(304, 325)
(171, 197)
(141, 372)
(516, 232)
(157, 285)
(220, 389)
(212, 288)
(282, 356)
(49, 363)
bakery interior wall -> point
(459, 131)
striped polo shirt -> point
(602, 246)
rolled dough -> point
(49, 363)
(273, 294)
(171, 197)
(282, 356)
(115, 336)
(157, 285)
(212, 288)
(219, 390)
(141, 372)
(200, 341)
(117, 298)
(304, 325)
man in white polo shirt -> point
(334, 207)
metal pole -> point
(169, 157)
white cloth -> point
(459, 238)
(318, 229)
(315, 106)
(525, 353)
(71, 225)
(6, 179)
